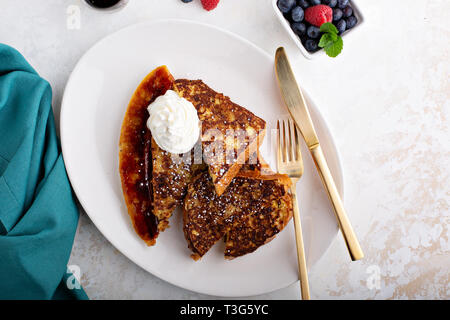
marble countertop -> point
(386, 99)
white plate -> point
(93, 108)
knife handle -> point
(351, 241)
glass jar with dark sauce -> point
(107, 4)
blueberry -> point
(314, 2)
(311, 45)
(348, 11)
(285, 5)
(303, 3)
(299, 28)
(351, 22)
(342, 3)
(337, 14)
(313, 32)
(186, 1)
(330, 3)
(341, 25)
(297, 14)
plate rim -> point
(70, 174)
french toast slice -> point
(171, 175)
(229, 132)
(261, 225)
(254, 208)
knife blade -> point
(298, 109)
(294, 99)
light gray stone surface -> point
(386, 99)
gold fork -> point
(289, 162)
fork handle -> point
(351, 241)
(302, 270)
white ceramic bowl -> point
(346, 35)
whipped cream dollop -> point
(173, 122)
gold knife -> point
(295, 102)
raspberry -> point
(319, 14)
(210, 4)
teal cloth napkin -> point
(38, 214)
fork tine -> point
(292, 143)
(295, 143)
(279, 159)
(284, 145)
(298, 150)
(298, 153)
(288, 140)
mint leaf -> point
(328, 27)
(333, 49)
(330, 41)
(327, 39)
